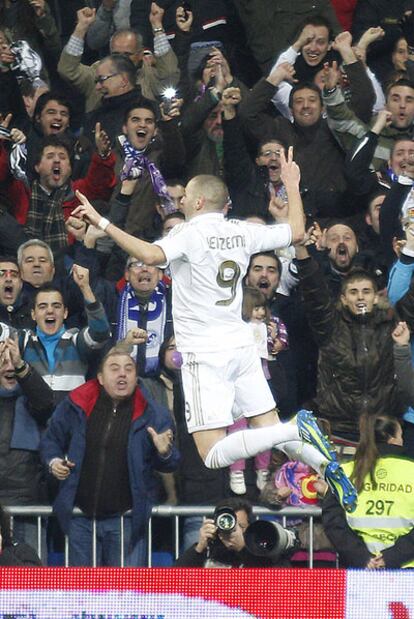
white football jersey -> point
(208, 257)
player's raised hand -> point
(85, 210)
(290, 171)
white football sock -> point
(305, 452)
(248, 443)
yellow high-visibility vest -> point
(385, 513)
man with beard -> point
(52, 196)
(341, 248)
(202, 129)
(342, 254)
(202, 123)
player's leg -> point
(314, 449)
(219, 451)
(213, 384)
(209, 382)
(209, 402)
(290, 441)
(308, 445)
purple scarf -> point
(135, 163)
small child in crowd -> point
(270, 336)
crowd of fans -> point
(125, 103)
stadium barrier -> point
(174, 513)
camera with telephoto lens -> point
(225, 520)
(266, 538)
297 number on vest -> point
(379, 508)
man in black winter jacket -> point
(355, 368)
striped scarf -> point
(156, 319)
(45, 217)
(134, 165)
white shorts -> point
(219, 386)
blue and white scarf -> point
(128, 318)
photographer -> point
(222, 545)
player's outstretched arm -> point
(141, 250)
(290, 175)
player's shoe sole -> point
(310, 432)
(340, 485)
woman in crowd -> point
(379, 533)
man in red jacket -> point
(45, 206)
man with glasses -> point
(144, 316)
(152, 80)
(115, 83)
(253, 185)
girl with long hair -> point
(379, 533)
